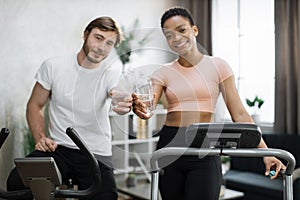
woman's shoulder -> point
(219, 62)
(163, 72)
(222, 67)
(168, 66)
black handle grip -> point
(3, 135)
(92, 162)
(20, 194)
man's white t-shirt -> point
(79, 99)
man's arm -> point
(35, 118)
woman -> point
(192, 84)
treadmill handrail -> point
(253, 152)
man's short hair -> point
(105, 24)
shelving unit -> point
(133, 141)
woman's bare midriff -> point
(186, 118)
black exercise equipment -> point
(217, 139)
(43, 182)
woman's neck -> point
(190, 60)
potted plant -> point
(225, 160)
(256, 104)
(132, 41)
(131, 180)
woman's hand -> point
(273, 163)
(139, 108)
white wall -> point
(33, 30)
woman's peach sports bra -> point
(195, 88)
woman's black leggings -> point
(187, 177)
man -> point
(78, 89)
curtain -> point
(201, 12)
(287, 67)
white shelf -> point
(134, 141)
(125, 148)
(137, 141)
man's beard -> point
(90, 58)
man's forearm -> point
(36, 123)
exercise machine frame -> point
(221, 139)
(50, 182)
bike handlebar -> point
(94, 168)
(3, 136)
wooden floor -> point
(142, 192)
(124, 197)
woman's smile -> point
(181, 44)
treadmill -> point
(223, 139)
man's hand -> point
(46, 144)
(121, 102)
(273, 163)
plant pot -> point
(256, 118)
(131, 181)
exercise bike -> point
(43, 178)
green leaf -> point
(260, 103)
(256, 100)
(124, 49)
(250, 103)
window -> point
(243, 35)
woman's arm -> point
(233, 102)
(239, 114)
